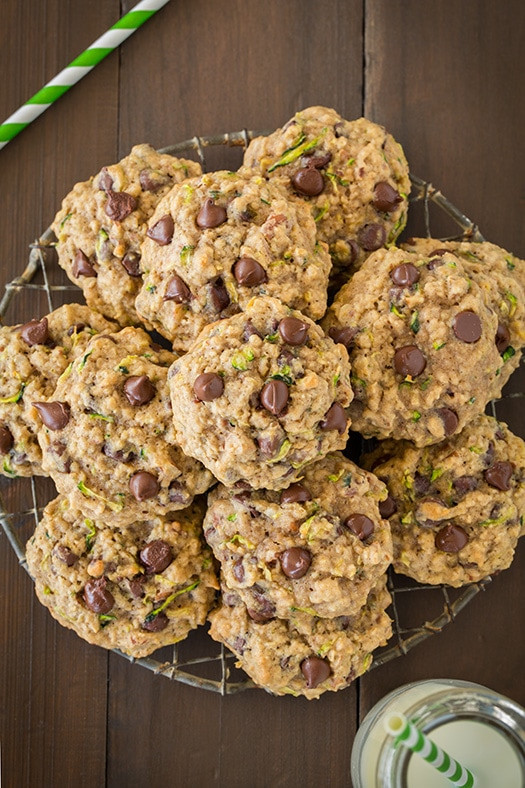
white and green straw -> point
(409, 736)
(78, 68)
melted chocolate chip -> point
(269, 445)
(82, 265)
(465, 484)
(105, 181)
(249, 330)
(219, 297)
(502, 338)
(387, 508)
(119, 455)
(296, 493)
(6, 439)
(151, 181)
(119, 205)
(177, 290)
(211, 215)
(264, 611)
(208, 386)
(293, 331)
(335, 419)
(136, 586)
(97, 597)
(318, 160)
(343, 336)
(139, 390)
(274, 396)
(143, 486)
(449, 418)
(66, 555)
(238, 570)
(55, 415)
(371, 237)
(76, 329)
(361, 525)
(421, 484)
(156, 556)
(308, 181)
(177, 492)
(156, 623)
(405, 275)
(162, 231)
(36, 332)
(295, 562)
(131, 263)
(451, 538)
(315, 670)
(409, 360)
(386, 198)
(467, 326)
(248, 272)
(499, 475)
(438, 252)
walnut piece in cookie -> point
(261, 395)
(456, 509)
(317, 547)
(103, 221)
(216, 242)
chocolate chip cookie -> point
(353, 174)
(107, 435)
(260, 395)
(317, 547)
(103, 222)
(32, 357)
(456, 509)
(421, 337)
(305, 655)
(217, 241)
(135, 589)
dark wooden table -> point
(446, 78)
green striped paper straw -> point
(78, 68)
(406, 733)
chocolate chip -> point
(156, 556)
(143, 486)
(295, 562)
(66, 555)
(361, 525)
(136, 586)
(6, 439)
(488, 457)
(105, 181)
(238, 644)
(76, 329)
(421, 484)
(334, 419)
(177, 290)
(465, 484)
(269, 445)
(438, 252)
(449, 418)
(467, 326)
(264, 611)
(296, 493)
(499, 475)
(156, 623)
(502, 338)
(119, 205)
(82, 266)
(131, 262)
(208, 386)
(386, 198)
(405, 275)
(315, 670)
(151, 181)
(119, 455)
(274, 396)
(409, 360)
(35, 332)
(318, 160)
(238, 570)
(343, 336)
(162, 231)
(371, 237)
(211, 215)
(55, 415)
(308, 181)
(177, 493)
(97, 597)
(451, 538)
(387, 508)
(219, 297)
(248, 272)
(293, 331)
(249, 330)
(139, 390)
(258, 617)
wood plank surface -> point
(445, 78)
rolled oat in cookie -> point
(353, 174)
(420, 334)
(305, 655)
(103, 221)
(107, 434)
(261, 395)
(456, 509)
(32, 357)
(216, 242)
(136, 588)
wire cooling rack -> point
(418, 611)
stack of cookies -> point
(255, 391)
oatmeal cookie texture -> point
(353, 174)
(456, 509)
(103, 221)
(32, 357)
(260, 395)
(217, 241)
(317, 547)
(422, 340)
(305, 655)
(136, 589)
(107, 435)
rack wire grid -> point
(418, 611)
